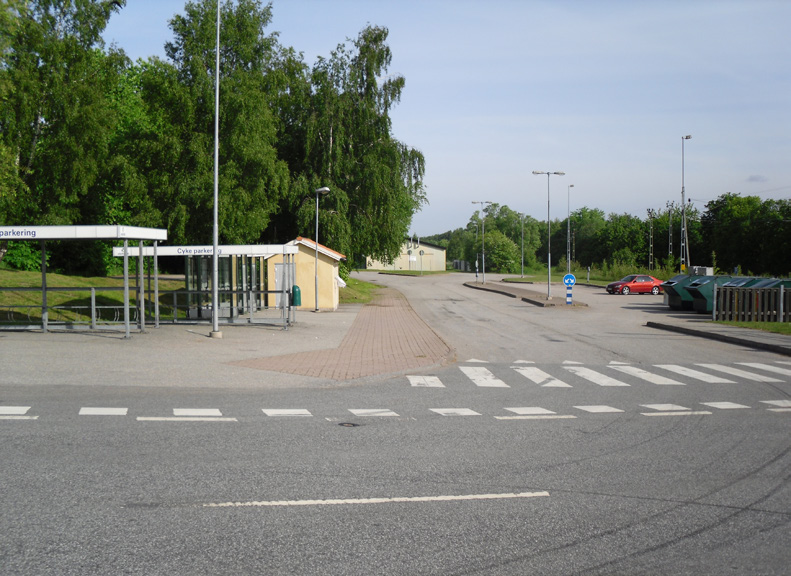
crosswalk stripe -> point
(647, 376)
(372, 412)
(767, 367)
(425, 382)
(724, 405)
(286, 412)
(598, 409)
(739, 373)
(530, 410)
(664, 407)
(778, 403)
(538, 376)
(14, 410)
(455, 411)
(696, 374)
(199, 412)
(483, 377)
(88, 411)
(595, 377)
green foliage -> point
(23, 256)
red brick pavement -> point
(387, 336)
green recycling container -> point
(296, 296)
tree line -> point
(89, 137)
(734, 235)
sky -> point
(602, 90)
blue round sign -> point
(569, 280)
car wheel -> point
(655, 290)
(625, 290)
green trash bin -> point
(296, 296)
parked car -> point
(636, 284)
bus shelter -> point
(42, 234)
(241, 283)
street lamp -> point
(568, 230)
(549, 255)
(215, 322)
(323, 191)
(684, 238)
(483, 237)
(522, 220)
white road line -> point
(17, 417)
(595, 377)
(724, 405)
(483, 377)
(286, 412)
(647, 376)
(678, 413)
(740, 373)
(598, 409)
(537, 417)
(372, 412)
(214, 412)
(14, 410)
(697, 375)
(778, 403)
(425, 382)
(87, 411)
(540, 377)
(184, 419)
(664, 407)
(767, 367)
(392, 500)
(454, 411)
(530, 410)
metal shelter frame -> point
(111, 232)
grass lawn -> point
(357, 292)
(775, 327)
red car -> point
(637, 284)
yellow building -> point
(305, 276)
(416, 256)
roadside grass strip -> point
(392, 500)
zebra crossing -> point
(615, 374)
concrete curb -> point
(758, 345)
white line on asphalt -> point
(780, 403)
(696, 374)
(537, 417)
(767, 367)
(12, 417)
(538, 376)
(664, 407)
(724, 405)
(14, 410)
(647, 376)
(425, 382)
(740, 373)
(184, 419)
(286, 412)
(372, 412)
(598, 409)
(482, 377)
(595, 377)
(397, 499)
(87, 411)
(454, 411)
(196, 412)
(779, 409)
(530, 410)
(678, 413)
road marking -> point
(598, 409)
(392, 500)
(14, 410)
(647, 376)
(740, 373)
(202, 412)
(184, 419)
(664, 407)
(678, 413)
(86, 411)
(724, 405)
(533, 410)
(540, 377)
(483, 377)
(595, 377)
(537, 417)
(697, 375)
(471, 360)
(286, 412)
(454, 411)
(425, 382)
(782, 405)
(767, 367)
(372, 412)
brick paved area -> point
(387, 336)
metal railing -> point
(751, 304)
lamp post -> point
(568, 229)
(522, 220)
(684, 239)
(549, 255)
(483, 238)
(215, 322)
(323, 191)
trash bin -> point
(677, 296)
(702, 292)
(296, 296)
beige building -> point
(416, 256)
(329, 280)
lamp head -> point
(688, 136)
(323, 190)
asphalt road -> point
(560, 441)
